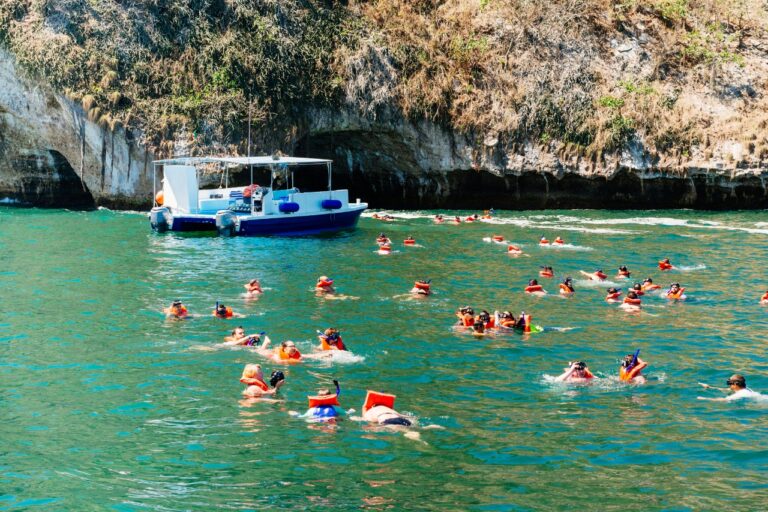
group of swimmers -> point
(325, 406)
(630, 371)
(566, 287)
(484, 321)
(377, 408)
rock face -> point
(52, 155)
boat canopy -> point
(255, 161)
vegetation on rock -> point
(586, 77)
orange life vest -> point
(409, 241)
(318, 401)
(612, 296)
(421, 286)
(633, 302)
(543, 241)
(180, 311)
(533, 288)
(282, 354)
(227, 314)
(498, 238)
(514, 249)
(327, 346)
(325, 283)
(651, 286)
(764, 297)
(600, 275)
(564, 289)
(261, 384)
(546, 273)
(468, 320)
(676, 295)
(663, 265)
(374, 398)
(627, 376)
(558, 241)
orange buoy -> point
(159, 198)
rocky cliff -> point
(503, 103)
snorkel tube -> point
(634, 361)
(338, 388)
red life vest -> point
(318, 401)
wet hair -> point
(176, 303)
(251, 371)
(580, 365)
(478, 327)
(737, 380)
(533, 282)
(631, 295)
(613, 290)
(627, 360)
(637, 286)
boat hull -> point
(297, 225)
(189, 223)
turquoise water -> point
(105, 405)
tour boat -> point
(253, 210)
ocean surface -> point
(106, 405)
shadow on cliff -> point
(380, 168)
(44, 179)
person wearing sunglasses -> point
(737, 387)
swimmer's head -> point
(648, 280)
(637, 286)
(737, 380)
(176, 303)
(238, 331)
(632, 295)
(579, 365)
(252, 371)
(533, 282)
(276, 377)
(323, 392)
(614, 290)
(627, 360)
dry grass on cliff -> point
(583, 76)
(558, 70)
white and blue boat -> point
(280, 209)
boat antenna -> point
(250, 165)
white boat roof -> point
(257, 161)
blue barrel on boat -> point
(331, 204)
(289, 207)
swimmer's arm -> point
(565, 375)
(712, 399)
(707, 386)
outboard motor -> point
(226, 223)
(159, 219)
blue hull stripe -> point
(296, 225)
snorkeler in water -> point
(630, 369)
(576, 372)
(176, 310)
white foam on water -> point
(640, 221)
(589, 283)
(566, 247)
(343, 357)
(691, 268)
